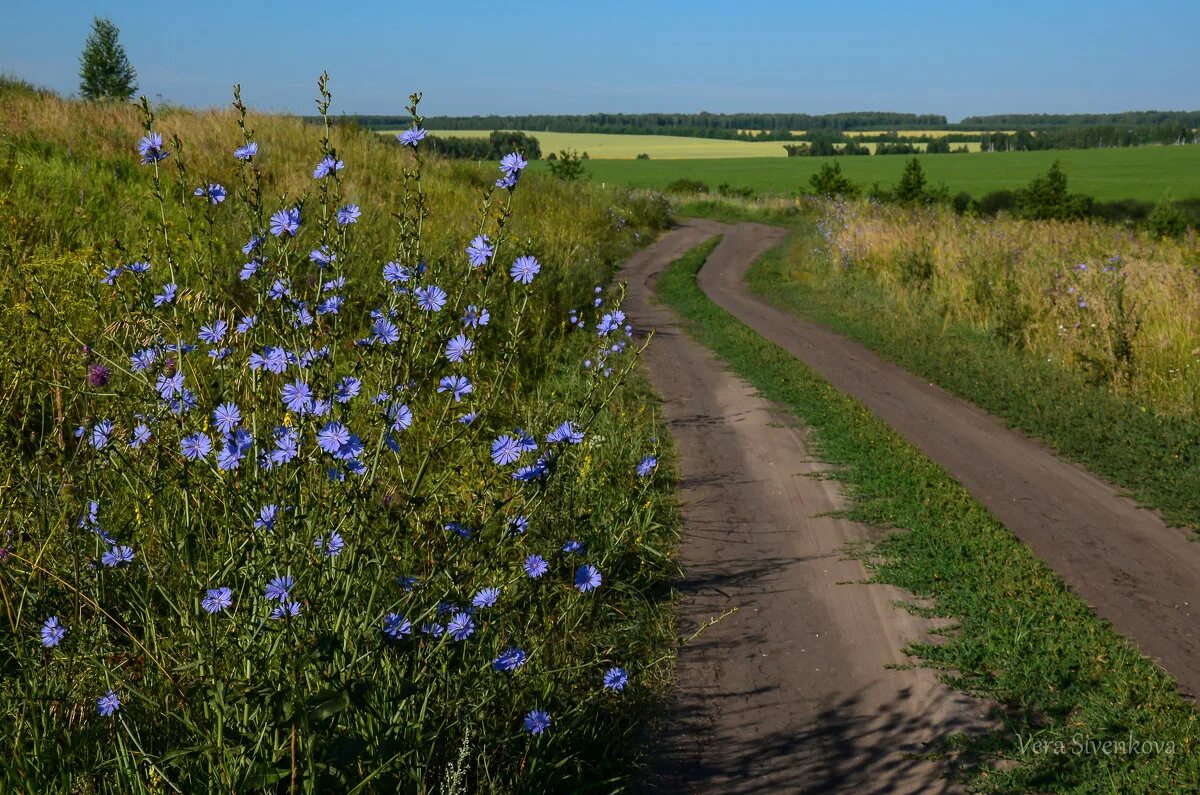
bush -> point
(998, 201)
(1167, 220)
(1046, 198)
(643, 156)
(568, 166)
(830, 181)
(687, 186)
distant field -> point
(613, 146)
(1144, 172)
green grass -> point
(1145, 172)
(1021, 638)
(1151, 454)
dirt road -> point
(792, 692)
(1122, 560)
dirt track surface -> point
(1122, 560)
(792, 692)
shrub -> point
(568, 166)
(643, 156)
(1167, 220)
(685, 185)
(830, 181)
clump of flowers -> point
(324, 521)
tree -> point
(1047, 197)
(104, 69)
(568, 166)
(911, 189)
(830, 181)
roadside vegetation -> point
(1063, 678)
(327, 467)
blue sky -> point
(518, 56)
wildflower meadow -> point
(328, 469)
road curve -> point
(791, 693)
(1122, 560)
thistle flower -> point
(524, 269)
(537, 721)
(151, 148)
(615, 679)
(98, 375)
(52, 632)
(508, 660)
(110, 702)
(216, 599)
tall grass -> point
(1117, 306)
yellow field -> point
(610, 146)
(902, 133)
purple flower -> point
(151, 148)
(524, 269)
(285, 222)
(395, 272)
(246, 323)
(322, 256)
(386, 331)
(505, 450)
(286, 610)
(214, 332)
(246, 152)
(297, 396)
(479, 250)
(485, 597)
(574, 548)
(98, 375)
(278, 588)
(537, 721)
(116, 555)
(616, 679)
(348, 214)
(327, 166)
(461, 626)
(213, 192)
(411, 137)
(518, 525)
(347, 388)
(535, 566)
(330, 546)
(512, 164)
(476, 317)
(587, 578)
(52, 632)
(216, 599)
(396, 626)
(510, 659)
(266, 517)
(646, 466)
(141, 435)
(431, 298)
(166, 296)
(459, 348)
(567, 432)
(196, 446)
(226, 417)
(401, 416)
(333, 437)
(110, 702)
(457, 385)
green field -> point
(1145, 172)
